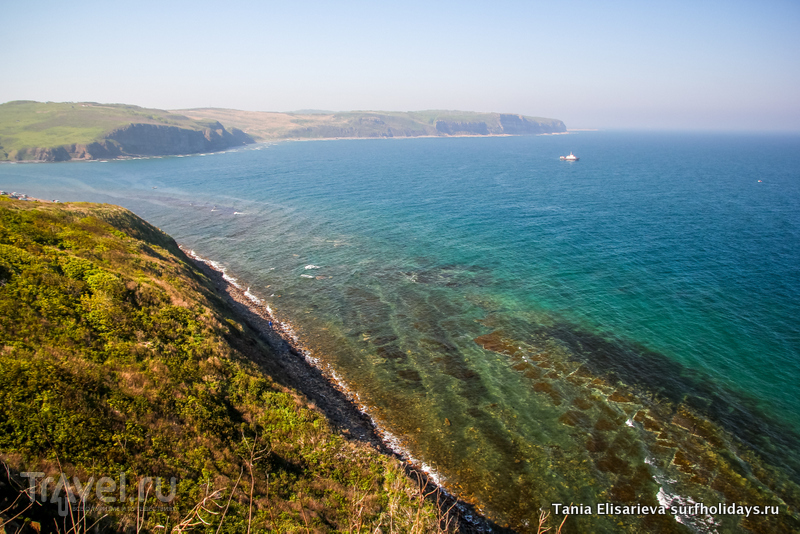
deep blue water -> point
(671, 261)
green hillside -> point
(33, 130)
(87, 130)
(118, 359)
(311, 124)
(28, 124)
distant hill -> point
(87, 130)
(310, 124)
(52, 131)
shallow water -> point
(529, 329)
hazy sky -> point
(725, 65)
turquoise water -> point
(667, 264)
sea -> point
(623, 329)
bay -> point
(517, 324)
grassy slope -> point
(272, 125)
(27, 124)
(117, 356)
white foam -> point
(337, 378)
(393, 442)
(432, 473)
(214, 265)
(703, 523)
(231, 280)
(254, 299)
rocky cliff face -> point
(157, 140)
(40, 154)
(519, 125)
(143, 140)
(462, 128)
(333, 132)
(507, 124)
(97, 150)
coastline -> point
(334, 399)
(686, 437)
(498, 344)
(277, 140)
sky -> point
(655, 65)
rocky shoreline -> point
(294, 364)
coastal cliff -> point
(501, 124)
(519, 125)
(35, 131)
(376, 124)
(158, 140)
(122, 358)
(454, 128)
(142, 140)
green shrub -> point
(108, 365)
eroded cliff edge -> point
(53, 131)
(142, 140)
(265, 126)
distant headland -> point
(51, 131)
(314, 124)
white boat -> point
(571, 157)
